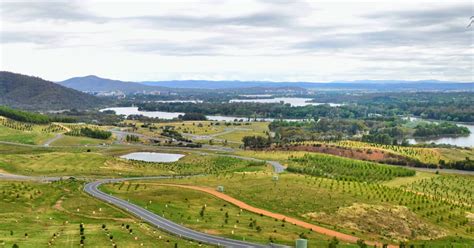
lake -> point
(152, 114)
(458, 141)
(153, 157)
(173, 115)
(293, 101)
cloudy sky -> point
(277, 40)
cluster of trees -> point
(168, 131)
(23, 116)
(256, 142)
(91, 133)
(466, 164)
(323, 129)
(132, 138)
(192, 117)
(88, 116)
(445, 128)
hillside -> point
(27, 92)
(97, 84)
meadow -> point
(59, 214)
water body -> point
(153, 157)
(152, 114)
(180, 101)
(173, 115)
(293, 101)
(464, 141)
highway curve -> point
(160, 222)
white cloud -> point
(238, 40)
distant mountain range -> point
(97, 84)
(27, 92)
(378, 85)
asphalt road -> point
(167, 225)
(160, 222)
(50, 141)
(277, 167)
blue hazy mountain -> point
(96, 84)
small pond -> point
(153, 157)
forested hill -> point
(96, 84)
(27, 92)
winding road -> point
(165, 224)
(160, 222)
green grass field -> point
(38, 214)
(218, 217)
(66, 140)
(105, 162)
(24, 137)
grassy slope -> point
(42, 210)
(313, 199)
(184, 206)
(78, 162)
(78, 141)
(34, 137)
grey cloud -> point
(425, 17)
(39, 38)
(262, 19)
(50, 10)
(73, 11)
(173, 49)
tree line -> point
(91, 133)
(24, 116)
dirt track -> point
(245, 206)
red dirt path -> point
(243, 205)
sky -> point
(265, 40)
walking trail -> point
(245, 206)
